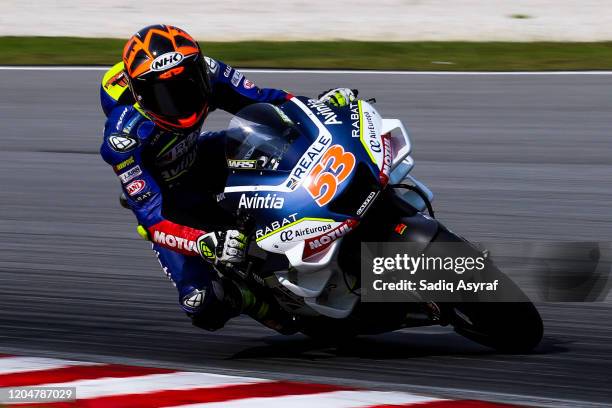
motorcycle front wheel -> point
(510, 327)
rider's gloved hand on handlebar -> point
(223, 247)
(338, 97)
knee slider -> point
(199, 299)
(195, 301)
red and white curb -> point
(115, 385)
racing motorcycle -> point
(309, 183)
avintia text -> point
(257, 201)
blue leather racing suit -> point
(171, 179)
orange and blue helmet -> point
(168, 76)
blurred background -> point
(386, 34)
(511, 156)
(388, 20)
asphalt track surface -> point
(521, 157)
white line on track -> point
(458, 393)
(329, 71)
(337, 399)
(106, 387)
(12, 365)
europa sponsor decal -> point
(135, 187)
(372, 134)
(167, 60)
(320, 243)
(174, 242)
(291, 234)
(130, 174)
(257, 202)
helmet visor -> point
(173, 98)
(176, 96)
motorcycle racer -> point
(156, 100)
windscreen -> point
(262, 136)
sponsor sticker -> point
(296, 233)
(180, 168)
(178, 150)
(318, 244)
(117, 79)
(369, 199)
(355, 120)
(385, 170)
(125, 163)
(259, 202)
(167, 60)
(127, 129)
(123, 143)
(242, 164)
(248, 84)
(212, 65)
(308, 160)
(143, 196)
(372, 135)
(323, 110)
(227, 71)
(173, 241)
(400, 228)
(135, 187)
(275, 225)
(119, 124)
(130, 174)
(237, 77)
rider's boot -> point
(240, 298)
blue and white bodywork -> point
(306, 173)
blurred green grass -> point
(439, 56)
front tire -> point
(514, 327)
(510, 327)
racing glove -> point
(223, 247)
(338, 97)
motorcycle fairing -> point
(288, 218)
